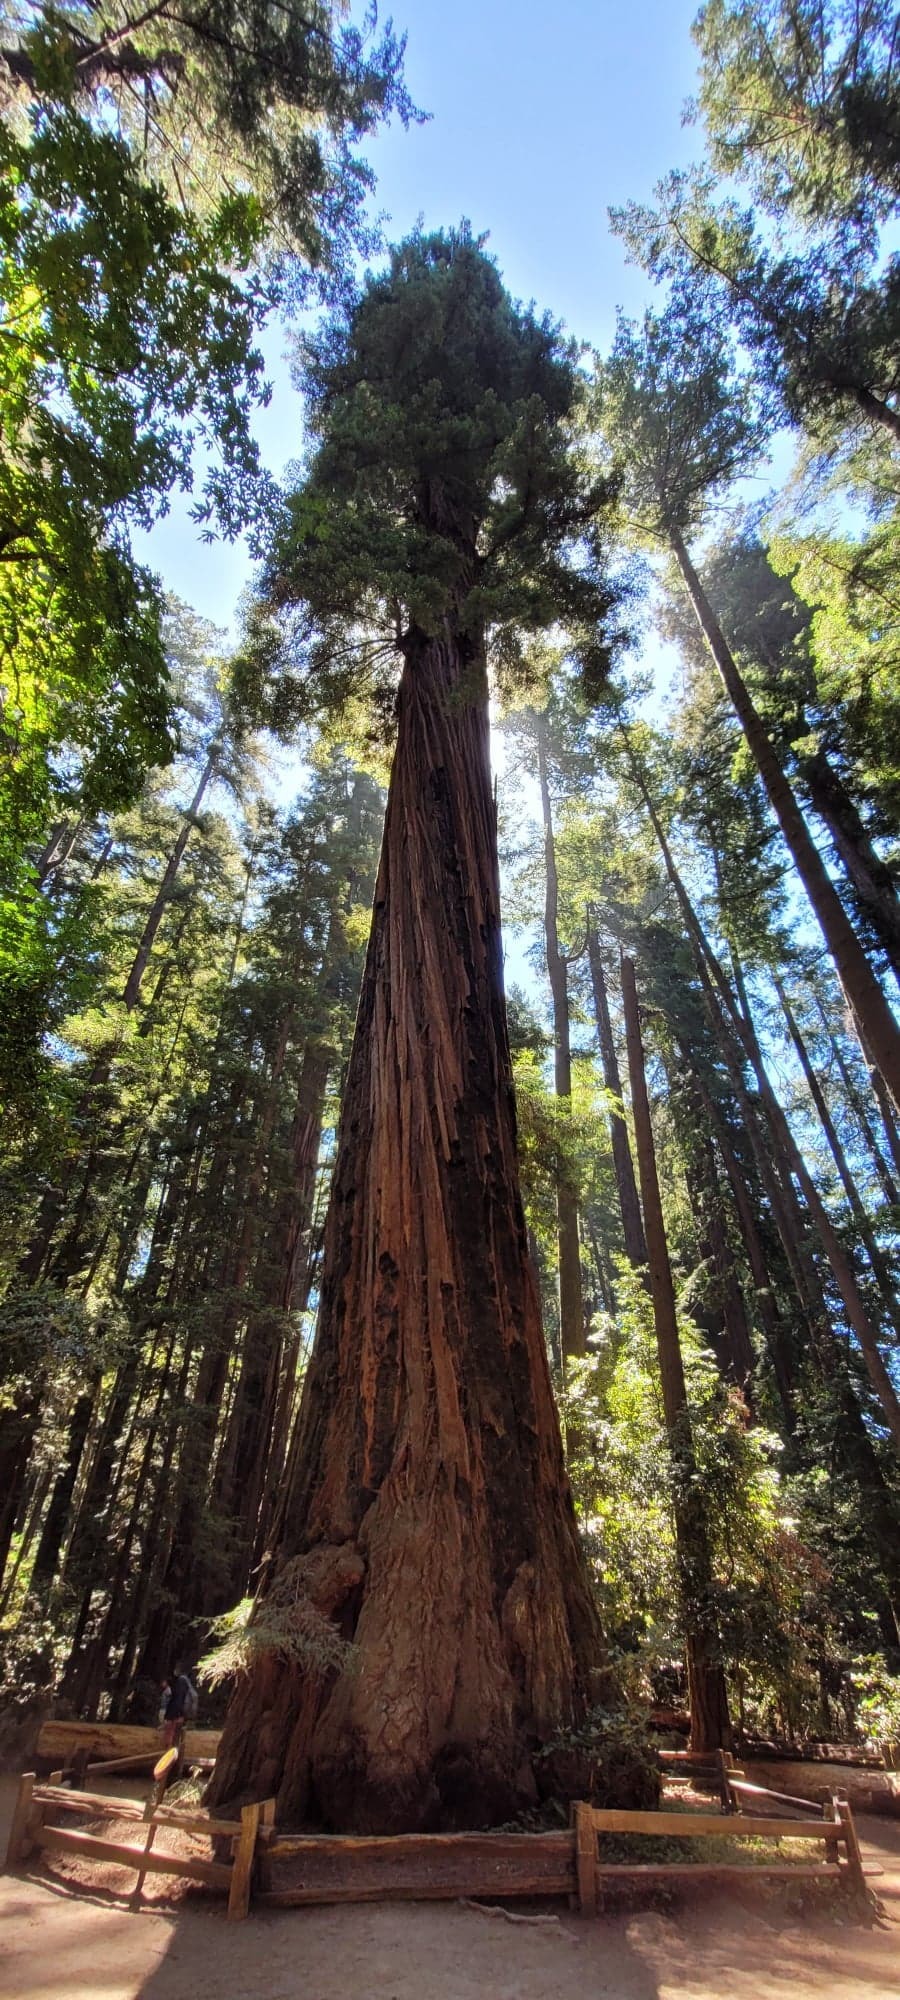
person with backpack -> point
(180, 1706)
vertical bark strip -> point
(426, 1495)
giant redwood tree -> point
(426, 1516)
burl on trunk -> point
(427, 1499)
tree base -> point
(466, 1789)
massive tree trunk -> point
(877, 1027)
(572, 1327)
(710, 1724)
(427, 1512)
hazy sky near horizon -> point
(540, 119)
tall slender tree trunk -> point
(888, 1120)
(710, 1724)
(426, 1513)
(853, 1444)
(56, 1520)
(877, 1025)
(871, 878)
(157, 908)
(92, 1673)
(573, 1330)
(841, 1267)
(56, 1200)
(59, 848)
(738, 1362)
(84, 1555)
(246, 1468)
(19, 1424)
(854, 1097)
(623, 1166)
(193, 1577)
(779, 1345)
(739, 1022)
(876, 408)
(31, 1523)
(154, 1531)
(858, 1209)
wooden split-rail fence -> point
(39, 1806)
(834, 1829)
(347, 1868)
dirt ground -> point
(61, 1939)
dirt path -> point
(59, 1943)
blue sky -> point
(541, 117)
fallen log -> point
(62, 1741)
(869, 1790)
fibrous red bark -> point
(426, 1479)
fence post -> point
(19, 1845)
(851, 1840)
(148, 1843)
(832, 1843)
(585, 1859)
(263, 1864)
(242, 1869)
(727, 1770)
(162, 1772)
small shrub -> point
(609, 1759)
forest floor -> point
(65, 1935)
